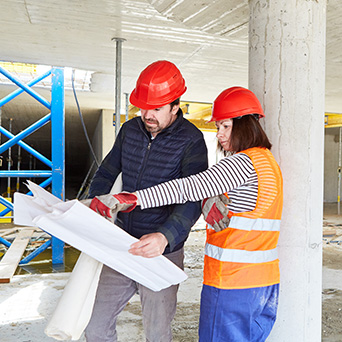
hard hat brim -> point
(135, 101)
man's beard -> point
(154, 129)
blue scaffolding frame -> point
(55, 176)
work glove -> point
(108, 205)
(86, 202)
(215, 211)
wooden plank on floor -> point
(329, 233)
(8, 232)
(12, 257)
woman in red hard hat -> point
(243, 207)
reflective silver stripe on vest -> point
(237, 255)
(245, 223)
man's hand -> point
(149, 245)
(86, 202)
(215, 211)
(107, 205)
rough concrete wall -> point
(104, 134)
(103, 138)
(108, 132)
(97, 138)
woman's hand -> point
(216, 212)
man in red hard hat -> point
(158, 146)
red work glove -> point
(215, 211)
(107, 205)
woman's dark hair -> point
(246, 133)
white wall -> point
(211, 142)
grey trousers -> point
(113, 293)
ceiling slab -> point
(207, 40)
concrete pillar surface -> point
(287, 73)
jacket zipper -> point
(130, 218)
(144, 163)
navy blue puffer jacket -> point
(177, 151)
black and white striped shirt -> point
(234, 174)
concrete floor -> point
(28, 301)
(26, 304)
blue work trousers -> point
(245, 315)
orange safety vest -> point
(244, 255)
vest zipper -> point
(130, 218)
(144, 163)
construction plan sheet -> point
(101, 242)
(89, 232)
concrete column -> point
(287, 73)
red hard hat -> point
(234, 102)
(158, 85)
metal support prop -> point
(85, 180)
(118, 66)
(127, 103)
(58, 151)
(9, 163)
(17, 187)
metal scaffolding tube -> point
(26, 173)
(28, 148)
(58, 151)
(37, 251)
(6, 203)
(43, 185)
(24, 86)
(5, 212)
(5, 242)
(17, 92)
(9, 163)
(56, 175)
(17, 187)
(23, 134)
(9, 205)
